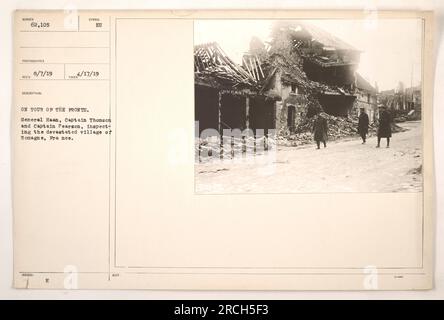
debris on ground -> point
(232, 147)
(338, 128)
(400, 119)
(415, 170)
(214, 171)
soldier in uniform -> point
(384, 128)
(363, 124)
(320, 129)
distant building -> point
(413, 98)
(402, 99)
(366, 97)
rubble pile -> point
(232, 147)
(396, 128)
(338, 127)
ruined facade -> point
(303, 70)
(324, 73)
(326, 60)
(402, 99)
(287, 81)
(228, 96)
(366, 97)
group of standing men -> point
(320, 127)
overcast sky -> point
(391, 48)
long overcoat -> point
(363, 123)
(320, 128)
(384, 128)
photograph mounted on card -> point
(223, 150)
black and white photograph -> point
(245, 153)
(308, 106)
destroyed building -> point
(227, 96)
(402, 99)
(286, 80)
(326, 60)
(301, 71)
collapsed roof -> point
(363, 84)
(292, 73)
(313, 43)
(213, 67)
(327, 40)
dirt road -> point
(344, 166)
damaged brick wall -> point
(294, 105)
